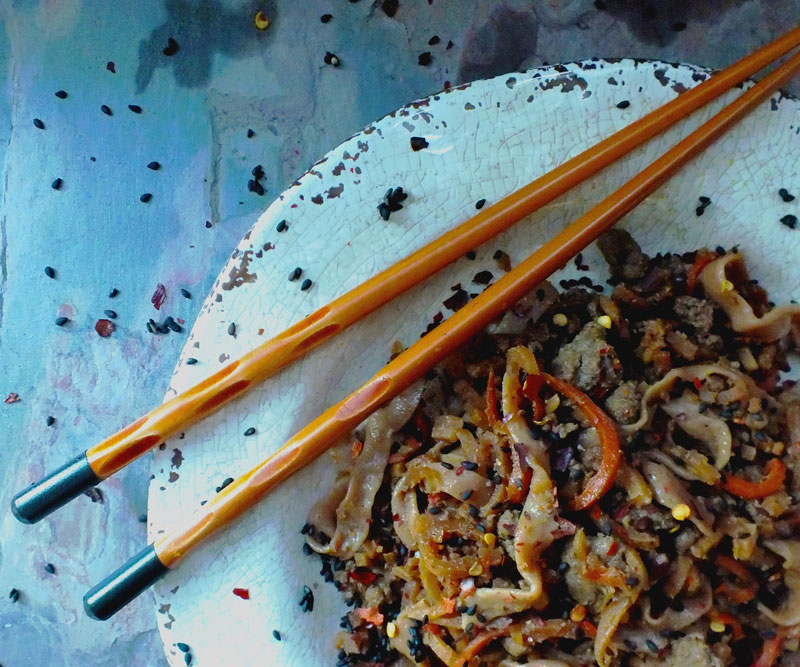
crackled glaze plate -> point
(484, 140)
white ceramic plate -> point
(485, 140)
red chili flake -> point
(460, 470)
(243, 593)
(395, 517)
(158, 296)
(613, 549)
(13, 397)
(104, 328)
(698, 384)
(363, 576)
(181, 321)
(595, 512)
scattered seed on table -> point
(187, 658)
(790, 221)
(480, 203)
(783, 193)
(232, 329)
(471, 254)
(172, 324)
(155, 166)
(282, 226)
(183, 648)
(261, 21)
(331, 59)
(113, 293)
(250, 431)
(325, 18)
(142, 518)
(424, 59)
(434, 40)
(390, 7)
(135, 108)
(110, 313)
(106, 110)
(418, 143)
(243, 593)
(146, 197)
(449, 45)
(306, 285)
(250, 134)
(191, 361)
(225, 482)
(38, 123)
(185, 293)
(13, 595)
(171, 48)
(50, 272)
(111, 67)
(277, 635)
(61, 94)
(61, 321)
(623, 105)
(483, 277)
(56, 184)
(104, 328)
(49, 568)
(307, 601)
(50, 420)
(296, 273)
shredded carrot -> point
(703, 258)
(531, 388)
(479, 642)
(491, 400)
(730, 620)
(355, 450)
(738, 594)
(603, 479)
(399, 457)
(771, 483)
(370, 615)
(771, 650)
(589, 628)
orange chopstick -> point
(113, 593)
(110, 455)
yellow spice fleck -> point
(261, 20)
(476, 569)
(604, 321)
(727, 286)
(490, 539)
(391, 629)
(681, 512)
(717, 626)
(578, 613)
(552, 403)
(560, 320)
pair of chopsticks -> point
(112, 454)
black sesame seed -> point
(146, 197)
(56, 184)
(483, 277)
(106, 110)
(418, 143)
(172, 324)
(111, 67)
(469, 465)
(307, 601)
(383, 210)
(434, 510)
(38, 123)
(424, 59)
(171, 48)
(232, 329)
(306, 284)
(783, 193)
(142, 518)
(114, 291)
(789, 221)
(325, 18)
(471, 254)
(277, 635)
(191, 361)
(450, 448)
(49, 271)
(225, 482)
(183, 648)
(446, 465)
(250, 431)
(13, 595)
(49, 568)
(700, 210)
(111, 314)
(466, 495)
(186, 294)
(705, 201)
(623, 105)
(155, 166)
(563, 566)
(250, 134)
(135, 108)
(307, 550)
(187, 658)
(331, 59)
(50, 420)
(296, 273)
(479, 204)
(473, 510)
(651, 645)
(61, 321)
(61, 94)
(282, 226)
(390, 7)
(433, 41)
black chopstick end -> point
(54, 490)
(121, 587)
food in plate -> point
(595, 479)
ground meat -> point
(625, 258)
(588, 360)
(623, 403)
(691, 650)
(698, 313)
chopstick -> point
(155, 560)
(115, 452)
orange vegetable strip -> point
(771, 482)
(602, 480)
(340, 419)
(190, 406)
(770, 651)
(491, 400)
(703, 258)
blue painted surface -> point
(197, 107)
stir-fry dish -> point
(595, 479)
